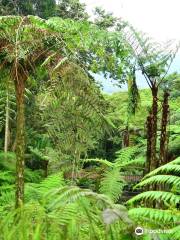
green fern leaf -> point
(166, 169)
(149, 196)
(161, 217)
(102, 161)
(171, 180)
(112, 184)
(175, 233)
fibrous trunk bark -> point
(149, 138)
(6, 137)
(153, 159)
(20, 141)
(164, 122)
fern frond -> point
(175, 233)
(165, 169)
(126, 154)
(35, 191)
(169, 200)
(52, 181)
(7, 177)
(33, 176)
(161, 217)
(102, 161)
(32, 193)
(171, 180)
(176, 161)
(149, 196)
(72, 194)
(112, 184)
(68, 213)
(7, 196)
(137, 162)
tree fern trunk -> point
(164, 122)
(149, 138)
(154, 162)
(20, 141)
(6, 137)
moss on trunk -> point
(20, 141)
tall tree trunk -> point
(154, 161)
(20, 141)
(6, 137)
(149, 138)
(164, 122)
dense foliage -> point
(76, 163)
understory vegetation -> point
(75, 162)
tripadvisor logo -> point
(139, 231)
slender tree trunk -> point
(126, 137)
(20, 141)
(6, 137)
(154, 162)
(164, 122)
